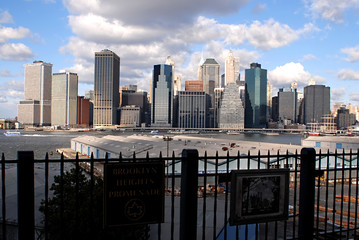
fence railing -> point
(323, 197)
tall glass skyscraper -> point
(162, 96)
(256, 97)
(106, 89)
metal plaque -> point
(133, 193)
(259, 195)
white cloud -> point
(155, 12)
(7, 33)
(288, 73)
(5, 17)
(353, 53)
(308, 57)
(337, 94)
(15, 85)
(348, 74)
(258, 8)
(15, 52)
(5, 73)
(15, 94)
(3, 99)
(102, 30)
(331, 10)
(270, 35)
(354, 97)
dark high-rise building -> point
(275, 114)
(139, 99)
(192, 109)
(162, 96)
(106, 89)
(256, 97)
(316, 103)
(288, 104)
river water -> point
(48, 141)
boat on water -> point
(12, 133)
(155, 132)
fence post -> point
(189, 188)
(25, 195)
(307, 193)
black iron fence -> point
(54, 199)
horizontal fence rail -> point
(69, 190)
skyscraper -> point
(288, 104)
(176, 79)
(210, 77)
(211, 80)
(256, 96)
(64, 99)
(316, 103)
(162, 96)
(232, 68)
(106, 89)
(231, 112)
(35, 110)
(192, 107)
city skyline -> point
(292, 41)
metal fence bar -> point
(46, 195)
(342, 196)
(285, 223)
(335, 188)
(215, 199)
(295, 194)
(26, 209)
(62, 202)
(92, 187)
(172, 196)
(349, 191)
(226, 198)
(318, 196)
(326, 198)
(3, 194)
(189, 188)
(204, 197)
(307, 193)
(356, 195)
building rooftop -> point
(210, 61)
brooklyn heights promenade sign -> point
(133, 193)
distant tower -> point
(106, 89)
(256, 96)
(35, 110)
(288, 104)
(162, 96)
(232, 68)
(311, 81)
(211, 79)
(200, 68)
(176, 79)
(231, 111)
(64, 99)
(316, 103)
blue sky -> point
(293, 40)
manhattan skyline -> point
(294, 41)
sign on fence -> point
(133, 193)
(259, 196)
